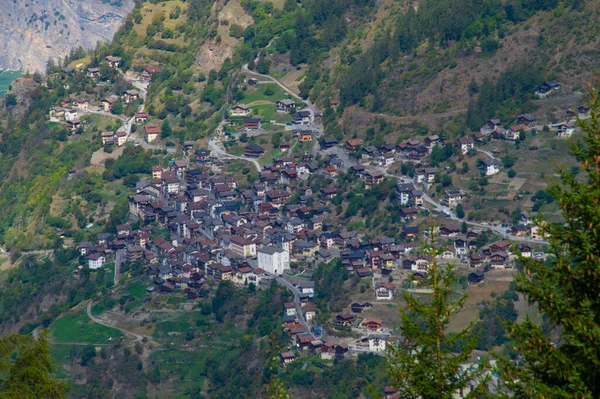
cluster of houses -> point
(299, 119)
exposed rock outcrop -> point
(32, 31)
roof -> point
(152, 128)
(270, 250)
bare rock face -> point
(33, 31)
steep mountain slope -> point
(33, 31)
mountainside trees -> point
(566, 364)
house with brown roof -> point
(149, 71)
(240, 110)
(352, 144)
(151, 132)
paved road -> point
(489, 154)
(118, 259)
(296, 293)
(96, 320)
(213, 146)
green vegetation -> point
(26, 368)
(565, 288)
(6, 77)
(77, 327)
(428, 349)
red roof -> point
(152, 128)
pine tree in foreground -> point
(25, 368)
(565, 364)
(426, 363)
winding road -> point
(214, 147)
(138, 337)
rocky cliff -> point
(32, 31)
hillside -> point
(33, 31)
(335, 131)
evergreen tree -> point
(427, 363)
(25, 368)
(565, 363)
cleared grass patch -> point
(77, 327)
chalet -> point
(526, 120)
(240, 110)
(490, 126)
(519, 230)
(449, 230)
(305, 135)
(363, 272)
(452, 198)
(344, 320)
(526, 251)
(73, 124)
(410, 232)
(565, 130)
(500, 246)
(490, 167)
(130, 96)
(285, 105)
(466, 144)
(498, 260)
(583, 111)
(140, 117)
(384, 291)
(113, 62)
(251, 123)
(253, 150)
(477, 259)
(149, 71)
(287, 357)
(547, 88)
(476, 277)
(330, 142)
(358, 307)
(448, 253)
(373, 178)
(352, 145)
(151, 132)
(409, 213)
(302, 118)
(372, 325)
(93, 73)
(328, 193)
(108, 102)
(81, 103)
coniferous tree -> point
(25, 367)
(566, 290)
(426, 364)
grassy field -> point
(77, 327)
(136, 289)
(6, 78)
(258, 94)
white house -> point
(384, 291)
(565, 130)
(310, 311)
(466, 144)
(271, 259)
(290, 308)
(490, 166)
(70, 115)
(96, 261)
(377, 342)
